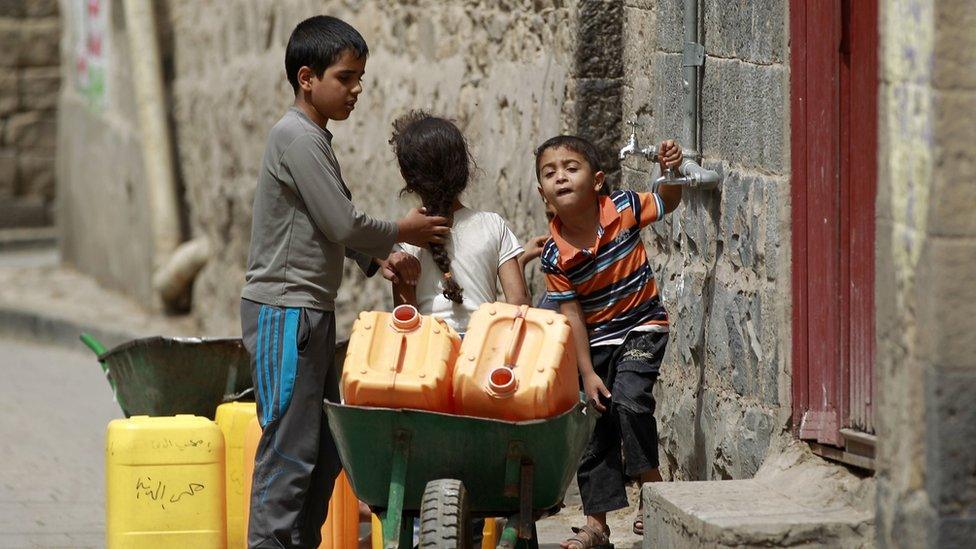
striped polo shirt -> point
(612, 280)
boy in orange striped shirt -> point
(596, 269)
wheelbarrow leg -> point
(510, 540)
(397, 532)
(520, 532)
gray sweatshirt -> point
(304, 221)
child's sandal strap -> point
(587, 537)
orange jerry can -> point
(400, 360)
(341, 528)
(516, 363)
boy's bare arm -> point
(670, 196)
(592, 384)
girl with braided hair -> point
(461, 274)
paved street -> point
(54, 407)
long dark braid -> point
(435, 164)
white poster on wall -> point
(90, 33)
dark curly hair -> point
(436, 165)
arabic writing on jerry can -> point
(164, 481)
(516, 363)
(400, 360)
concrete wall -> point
(926, 265)
(503, 70)
(29, 80)
(102, 208)
(722, 259)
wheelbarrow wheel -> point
(445, 516)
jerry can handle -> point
(517, 329)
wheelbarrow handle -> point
(93, 344)
(99, 350)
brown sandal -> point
(639, 525)
(587, 537)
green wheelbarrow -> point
(446, 469)
(164, 376)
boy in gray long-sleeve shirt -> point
(304, 225)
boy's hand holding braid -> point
(420, 229)
(415, 228)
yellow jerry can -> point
(164, 480)
(341, 528)
(233, 419)
(252, 436)
(400, 360)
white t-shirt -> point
(479, 243)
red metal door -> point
(834, 74)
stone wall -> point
(926, 265)
(722, 259)
(504, 70)
(29, 80)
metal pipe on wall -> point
(157, 153)
(689, 75)
(174, 265)
(692, 60)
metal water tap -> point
(632, 148)
(689, 173)
(670, 177)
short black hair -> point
(318, 42)
(574, 143)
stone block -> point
(748, 513)
(40, 8)
(670, 25)
(39, 88)
(952, 532)
(8, 172)
(950, 428)
(728, 28)
(947, 301)
(10, 44)
(753, 31)
(12, 8)
(35, 175)
(753, 441)
(599, 112)
(9, 99)
(599, 52)
(954, 162)
(664, 100)
(40, 41)
(639, 28)
(744, 114)
(954, 56)
(34, 130)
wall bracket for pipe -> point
(693, 55)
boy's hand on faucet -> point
(669, 154)
(420, 229)
(400, 266)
